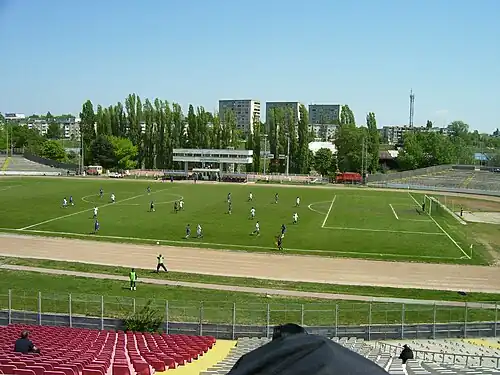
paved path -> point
(244, 289)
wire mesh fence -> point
(327, 314)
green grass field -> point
(185, 304)
(332, 222)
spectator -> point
(24, 344)
(406, 354)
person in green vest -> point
(160, 264)
(133, 279)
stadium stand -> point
(457, 179)
(21, 164)
(74, 351)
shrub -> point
(146, 320)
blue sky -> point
(368, 54)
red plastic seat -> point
(23, 371)
(7, 369)
(38, 370)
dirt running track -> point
(258, 265)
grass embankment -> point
(185, 303)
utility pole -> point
(81, 152)
(7, 137)
(288, 155)
(265, 152)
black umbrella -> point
(303, 354)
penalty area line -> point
(394, 212)
(240, 247)
(385, 231)
(444, 231)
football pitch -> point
(352, 222)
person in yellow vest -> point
(133, 279)
(160, 264)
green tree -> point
(54, 131)
(429, 124)
(324, 161)
(346, 116)
(87, 129)
(373, 144)
(52, 150)
(349, 144)
(103, 152)
(192, 128)
(124, 153)
(303, 160)
(256, 145)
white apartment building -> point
(247, 112)
(70, 127)
(324, 120)
(394, 134)
(41, 125)
(291, 106)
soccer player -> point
(113, 198)
(461, 211)
(133, 279)
(101, 193)
(280, 243)
(176, 207)
(160, 264)
(65, 203)
(149, 190)
(283, 230)
(199, 231)
(181, 205)
(297, 202)
(71, 200)
(295, 218)
(276, 197)
(152, 207)
(228, 197)
(250, 197)
(423, 207)
(96, 226)
(229, 208)
(257, 229)
(96, 210)
(252, 213)
(188, 231)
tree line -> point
(143, 134)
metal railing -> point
(464, 359)
(337, 316)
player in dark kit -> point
(283, 230)
(176, 207)
(423, 207)
(152, 207)
(276, 197)
(280, 243)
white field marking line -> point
(385, 230)
(9, 187)
(315, 203)
(445, 232)
(242, 247)
(329, 210)
(136, 204)
(394, 212)
(418, 220)
(87, 210)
